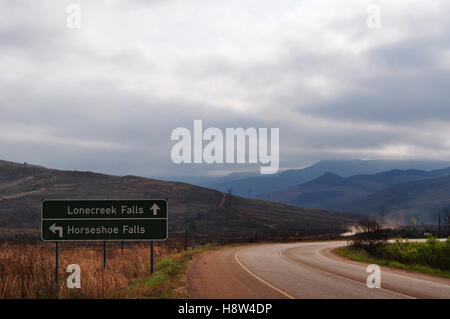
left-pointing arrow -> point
(58, 229)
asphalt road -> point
(301, 270)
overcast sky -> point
(106, 97)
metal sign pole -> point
(57, 264)
(152, 250)
(104, 255)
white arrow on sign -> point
(155, 209)
(58, 229)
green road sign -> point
(64, 220)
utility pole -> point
(230, 195)
(446, 221)
(439, 225)
(382, 217)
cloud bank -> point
(106, 97)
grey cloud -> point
(327, 100)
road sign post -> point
(57, 264)
(104, 220)
(152, 251)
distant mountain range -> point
(202, 210)
(366, 194)
(423, 200)
(254, 186)
(330, 190)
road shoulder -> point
(217, 274)
(332, 254)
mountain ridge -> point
(331, 191)
(423, 199)
(202, 210)
(260, 184)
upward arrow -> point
(58, 229)
(155, 209)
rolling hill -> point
(262, 184)
(330, 190)
(202, 210)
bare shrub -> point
(368, 234)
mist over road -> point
(301, 270)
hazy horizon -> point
(203, 180)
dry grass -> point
(28, 270)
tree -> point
(369, 234)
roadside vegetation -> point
(169, 279)
(28, 271)
(370, 245)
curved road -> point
(300, 270)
